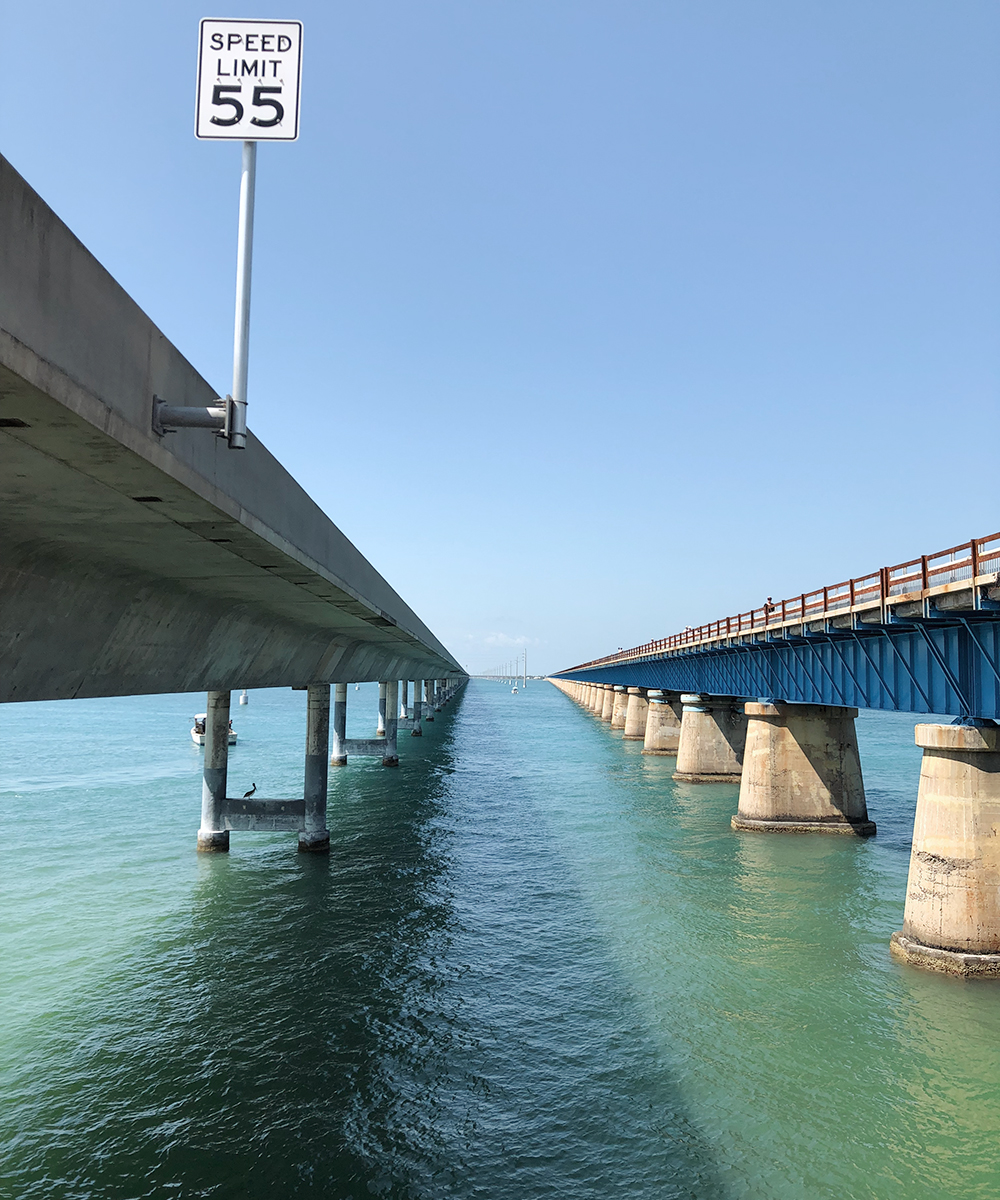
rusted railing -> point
(908, 581)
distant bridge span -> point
(768, 699)
(923, 636)
(132, 562)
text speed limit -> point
(249, 74)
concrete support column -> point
(952, 917)
(380, 728)
(212, 836)
(663, 724)
(390, 757)
(338, 752)
(404, 698)
(713, 734)
(801, 771)
(619, 706)
(418, 690)
(635, 716)
(596, 698)
(607, 702)
(428, 699)
(438, 694)
(315, 838)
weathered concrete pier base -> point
(635, 716)
(338, 749)
(619, 707)
(213, 835)
(418, 708)
(315, 837)
(428, 699)
(801, 771)
(712, 737)
(607, 703)
(390, 756)
(663, 724)
(380, 727)
(951, 921)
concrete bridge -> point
(767, 699)
(139, 561)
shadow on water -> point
(428, 1012)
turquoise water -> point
(532, 966)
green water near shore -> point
(532, 966)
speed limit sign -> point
(249, 74)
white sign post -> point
(249, 77)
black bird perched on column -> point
(247, 795)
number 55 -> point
(259, 102)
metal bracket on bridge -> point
(223, 418)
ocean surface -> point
(532, 966)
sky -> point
(584, 321)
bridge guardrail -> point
(970, 562)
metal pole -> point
(244, 263)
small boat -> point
(513, 691)
(198, 730)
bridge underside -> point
(946, 665)
(132, 562)
(115, 579)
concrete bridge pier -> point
(438, 694)
(802, 771)
(596, 698)
(338, 751)
(635, 716)
(619, 706)
(213, 836)
(663, 724)
(380, 727)
(951, 921)
(428, 699)
(607, 702)
(390, 756)
(315, 837)
(404, 699)
(712, 738)
(418, 689)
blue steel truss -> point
(947, 665)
